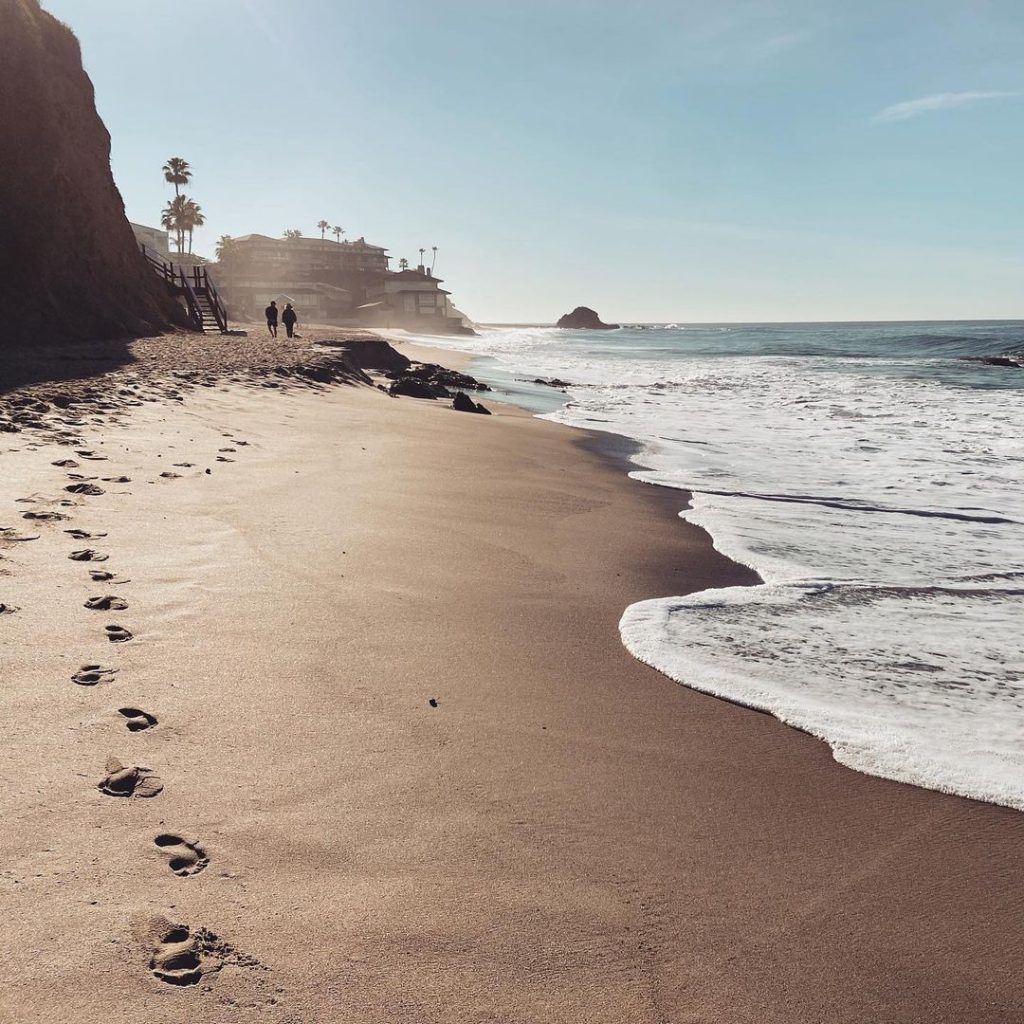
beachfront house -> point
(326, 279)
(413, 300)
(154, 239)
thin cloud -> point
(938, 101)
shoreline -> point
(568, 835)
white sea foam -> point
(885, 515)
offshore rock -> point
(1007, 360)
(583, 318)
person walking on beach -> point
(288, 318)
(271, 314)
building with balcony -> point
(414, 301)
(326, 280)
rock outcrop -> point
(584, 319)
(411, 387)
(373, 354)
(464, 403)
(70, 268)
(439, 376)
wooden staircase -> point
(195, 286)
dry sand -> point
(566, 836)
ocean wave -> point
(872, 480)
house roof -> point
(360, 245)
(414, 275)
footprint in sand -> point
(102, 576)
(106, 603)
(117, 479)
(90, 489)
(92, 456)
(184, 465)
(117, 634)
(129, 781)
(138, 720)
(7, 609)
(227, 449)
(9, 534)
(90, 675)
(222, 458)
(179, 956)
(184, 955)
(65, 464)
(84, 534)
(185, 858)
(87, 555)
(168, 475)
(45, 517)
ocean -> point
(872, 477)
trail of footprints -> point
(181, 955)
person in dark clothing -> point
(271, 315)
(288, 318)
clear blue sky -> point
(658, 160)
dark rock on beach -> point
(582, 318)
(428, 380)
(555, 382)
(440, 376)
(412, 387)
(464, 403)
(373, 354)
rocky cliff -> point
(69, 266)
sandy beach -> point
(354, 738)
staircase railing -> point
(203, 284)
(192, 300)
(163, 267)
(191, 284)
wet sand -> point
(566, 836)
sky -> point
(658, 160)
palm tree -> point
(167, 219)
(177, 172)
(422, 251)
(227, 248)
(175, 218)
(292, 233)
(433, 249)
(338, 232)
(323, 226)
(194, 218)
(403, 264)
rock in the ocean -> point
(464, 403)
(1011, 361)
(585, 319)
